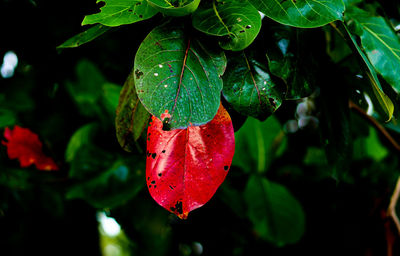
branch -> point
(376, 124)
(391, 211)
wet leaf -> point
(384, 101)
(120, 12)
(248, 87)
(85, 37)
(24, 145)
(177, 78)
(237, 21)
(303, 14)
(379, 42)
(175, 7)
(185, 167)
(131, 117)
(275, 213)
(290, 56)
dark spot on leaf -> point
(138, 3)
(141, 16)
(153, 182)
(148, 154)
(171, 187)
(130, 10)
(241, 31)
(148, 178)
(155, 186)
(178, 207)
(138, 73)
(159, 175)
(163, 151)
(226, 167)
(248, 26)
(166, 125)
(172, 209)
(154, 155)
(149, 186)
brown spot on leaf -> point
(138, 73)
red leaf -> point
(24, 145)
(185, 167)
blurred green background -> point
(283, 195)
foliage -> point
(310, 89)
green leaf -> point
(178, 76)
(81, 137)
(237, 21)
(276, 215)
(131, 117)
(248, 87)
(384, 101)
(175, 7)
(121, 12)
(303, 14)
(7, 118)
(291, 57)
(84, 37)
(122, 181)
(257, 144)
(87, 90)
(110, 97)
(380, 43)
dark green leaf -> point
(175, 7)
(85, 37)
(81, 137)
(384, 101)
(248, 87)
(257, 144)
(276, 215)
(237, 21)
(179, 77)
(7, 117)
(379, 42)
(116, 185)
(131, 117)
(304, 14)
(110, 97)
(87, 90)
(291, 57)
(121, 12)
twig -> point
(376, 124)
(391, 211)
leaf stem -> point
(391, 211)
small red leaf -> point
(185, 167)
(24, 145)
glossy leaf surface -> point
(178, 76)
(185, 167)
(248, 87)
(85, 37)
(237, 21)
(24, 145)
(384, 101)
(121, 12)
(175, 7)
(290, 56)
(276, 215)
(303, 14)
(131, 117)
(380, 43)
